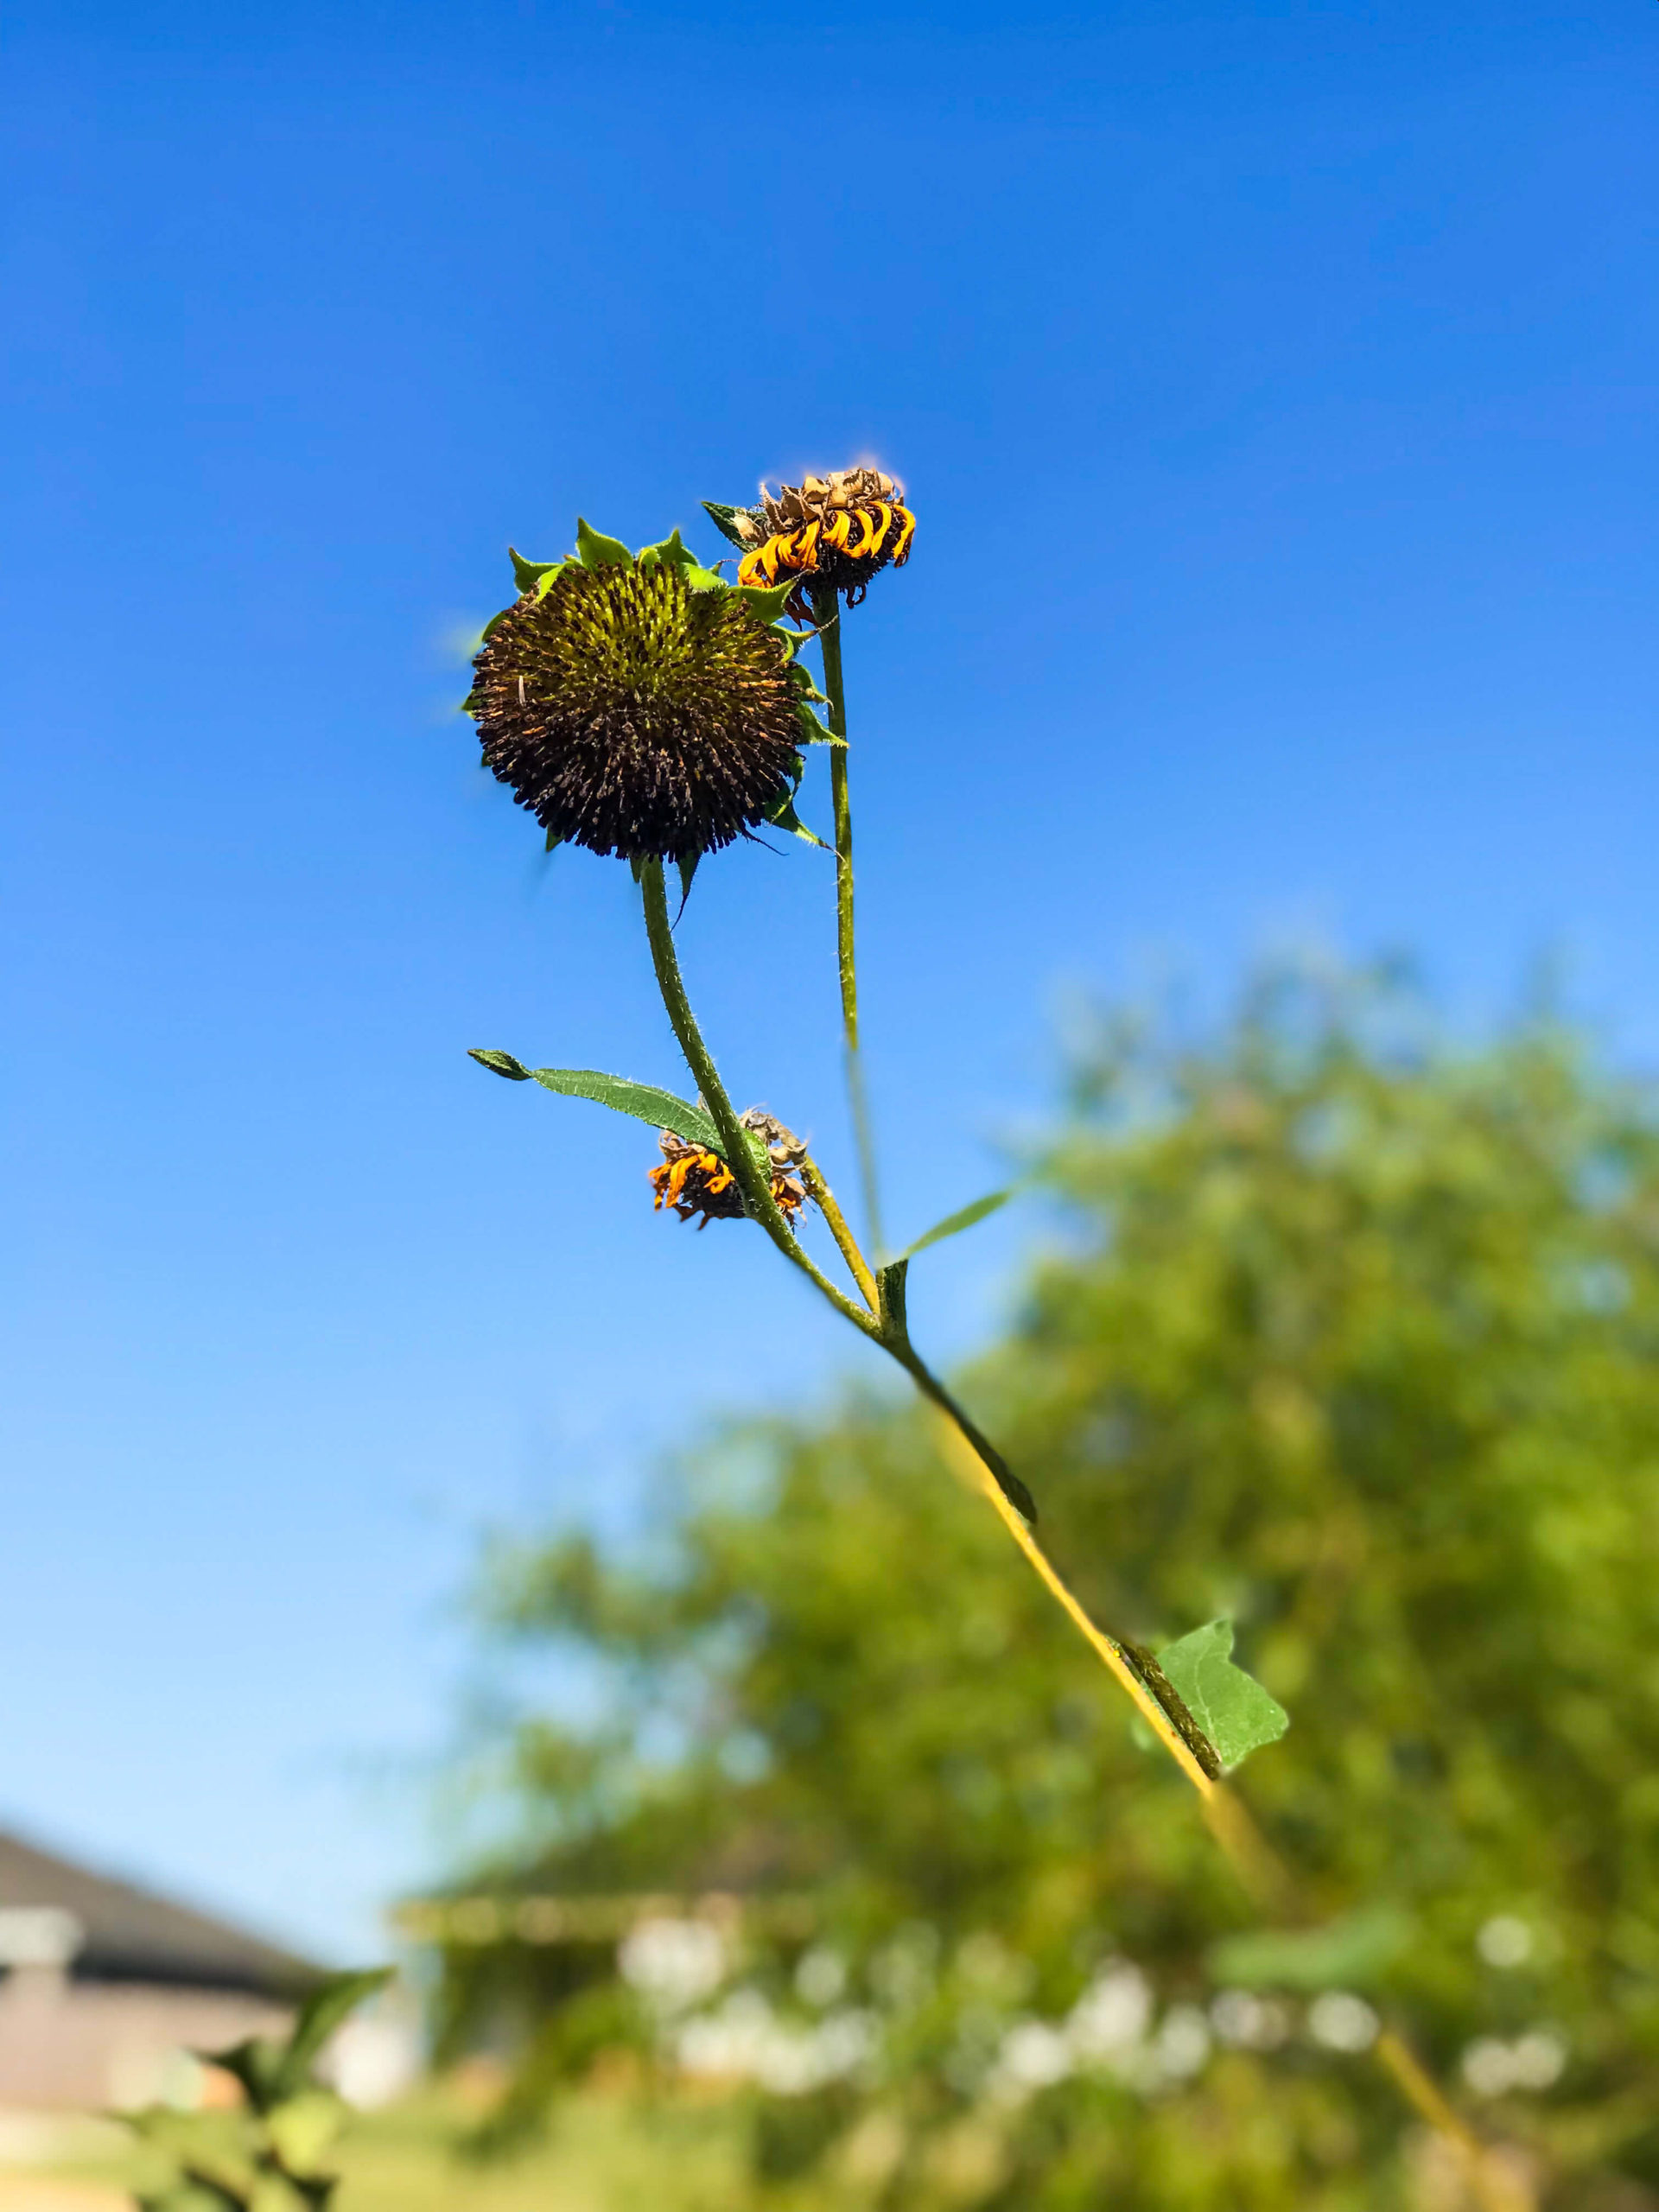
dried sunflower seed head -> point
(635, 711)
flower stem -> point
(972, 1455)
(824, 1198)
(826, 612)
(753, 1178)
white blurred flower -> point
(672, 1963)
(820, 1977)
(1534, 2061)
(1538, 2059)
(1486, 2067)
(745, 2040)
(1342, 2021)
(1110, 2017)
(1034, 2055)
(1182, 2044)
(1249, 2021)
(1503, 1941)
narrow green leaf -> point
(812, 730)
(323, 2013)
(554, 840)
(725, 520)
(1353, 1953)
(527, 574)
(550, 577)
(499, 1064)
(688, 868)
(1231, 1708)
(964, 1218)
(595, 551)
(643, 1101)
(784, 817)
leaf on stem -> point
(1352, 1953)
(723, 519)
(643, 1101)
(964, 1218)
(1232, 1709)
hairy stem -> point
(753, 1180)
(826, 612)
(824, 1198)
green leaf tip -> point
(528, 574)
(724, 519)
(501, 1064)
(768, 604)
(1352, 1953)
(1234, 1711)
(964, 1218)
(594, 550)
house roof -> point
(126, 1933)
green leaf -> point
(661, 1108)
(812, 730)
(1231, 1708)
(554, 840)
(964, 1218)
(1352, 1953)
(767, 603)
(595, 551)
(499, 1064)
(256, 2065)
(526, 573)
(724, 519)
(303, 2127)
(550, 577)
(326, 2010)
(784, 817)
(688, 868)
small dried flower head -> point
(699, 1186)
(843, 528)
(635, 707)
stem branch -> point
(753, 1180)
(826, 613)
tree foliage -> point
(1344, 1335)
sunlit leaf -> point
(527, 574)
(964, 1218)
(1232, 1709)
(767, 603)
(643, 1101)
(594, 550)
(501, 1064)
(324, 2011)
(724, 519)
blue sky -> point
(1275, 385)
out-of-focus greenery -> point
(272, 2151)
(1343, 1333)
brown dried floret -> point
(698, 1185)
(843, 529)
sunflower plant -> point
(645, 706)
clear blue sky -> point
(1275, 386)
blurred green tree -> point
(1343, 1333)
